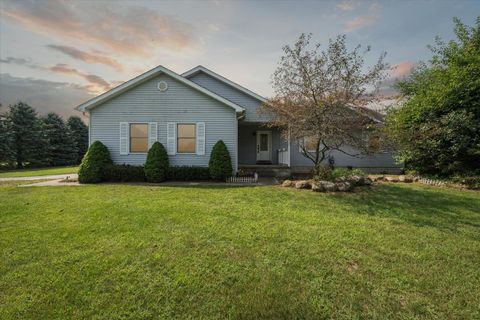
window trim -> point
(177, 137)
(130, 137)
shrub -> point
(124, 173)
(470, 182)
(94, 163)
(345, 172)
(220, 164)
(323, 173)
(188, 173)
(157, 164)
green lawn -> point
(143, 252)
(38, 172)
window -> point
(138, 137)
(186, 138)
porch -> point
(262, 147)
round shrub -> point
(220, 164)
(157, 164)
(94, 163)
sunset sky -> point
(56, 54)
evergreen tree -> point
(5, 142)
(220, 164)
(79, 133)
(61, 148)
(25, 128)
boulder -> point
(324, 186)
(375, 178)
(303, 184)
(317, 186)
(392, 178)
(288, 183)
(356, 180)
(367, 181)
(344, 186)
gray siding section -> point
(247, 143)
(373, 162)
(180, 103)
(246, 101)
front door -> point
(264, 146)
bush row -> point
(98, 166)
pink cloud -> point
(130, 31)
(96, 83)
(401, 69)
(89, 57)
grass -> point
(143, 252)
(38, 172)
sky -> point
(57, 54)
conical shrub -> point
(94, 163)
(220, 164)
(157, 164)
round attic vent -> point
(162, 86)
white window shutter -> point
(200, 143)
(171, 138)
(124, 135)
(152, 133)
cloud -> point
(132, 30)
(362, 21)
(346, 5)
(96, 83)
(13, 60)
(89, 57)
(401, 69)
(45, 96)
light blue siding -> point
(244, 100)
(377, 162)
(180, 103)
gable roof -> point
(94, 102)
(230, 83)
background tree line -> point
(27, 139)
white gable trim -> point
(214, 75)
(92, 103)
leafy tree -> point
(94, 164)
(437, 129)
(319, 95)
(220, 163)
(156, 166)
(79, 133)
(29, 145)
(61, 149)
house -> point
(188, 114)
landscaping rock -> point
(324, 186)
(303, 184)
(317, 187)
(367, 181)
(344, 186)
(376, 178)
(288, 184)
(392, 178)
(356, 180)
